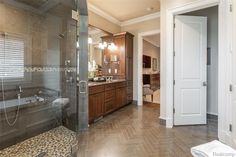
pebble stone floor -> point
(57, 142)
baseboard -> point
(135, 102)
(211, 116)
(225, 137)
(162, 121)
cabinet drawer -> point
(110, 86)
(109, 106)
(96, 89)
(110, 95)
(121, 84)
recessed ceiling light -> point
(150, 9)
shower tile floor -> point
(58, 142)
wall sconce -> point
(90, 40)
(110, 46)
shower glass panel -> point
(38, 68)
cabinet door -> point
(129, 45)
(120, 43)
(96, 106)
(129, 68)
(129, 92)
(121, 96)
(110, 100)
(91, 109)
(124, 96)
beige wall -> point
(154, 52)
(102, 23)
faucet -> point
(20, 91)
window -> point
(12, 50)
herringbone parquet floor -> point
(135, 132)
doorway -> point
(196, 67)
(151, 69)
(139, 67)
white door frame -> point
(223, 74)
(139, 68)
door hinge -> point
(174, 53)
(231, 8)
(174, 25)
(174, 82)
(230, 127)
(230, 87)
(174, 110)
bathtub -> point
(36, 115)
(23, 101)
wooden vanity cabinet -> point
(96, 102)
(124, 55)
(104, 99)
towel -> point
(61, 101)
(213, 149)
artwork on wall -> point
(154, 64)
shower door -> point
(38, 68)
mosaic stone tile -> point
(58, 142)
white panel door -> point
(190, 70)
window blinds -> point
(12, 50)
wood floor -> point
(135, 132)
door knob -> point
(204, 84)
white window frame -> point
(27, 59)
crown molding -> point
(112, 19)
(141, 19)
(103, 14)
(151, 42)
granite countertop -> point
(90, 84)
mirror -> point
(95, 51)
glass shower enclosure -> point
(38, 68)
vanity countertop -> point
(90, 84)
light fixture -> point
(90, 40)
(112, 47)
(101, 46)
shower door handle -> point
(83, 86)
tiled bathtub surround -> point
(34, 117)
(58, 142)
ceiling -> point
(153, 39)
(124, 10)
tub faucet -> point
(20, 89)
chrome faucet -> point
(20, 89)
(18, 93)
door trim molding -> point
(139, 67)
(223, 80)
